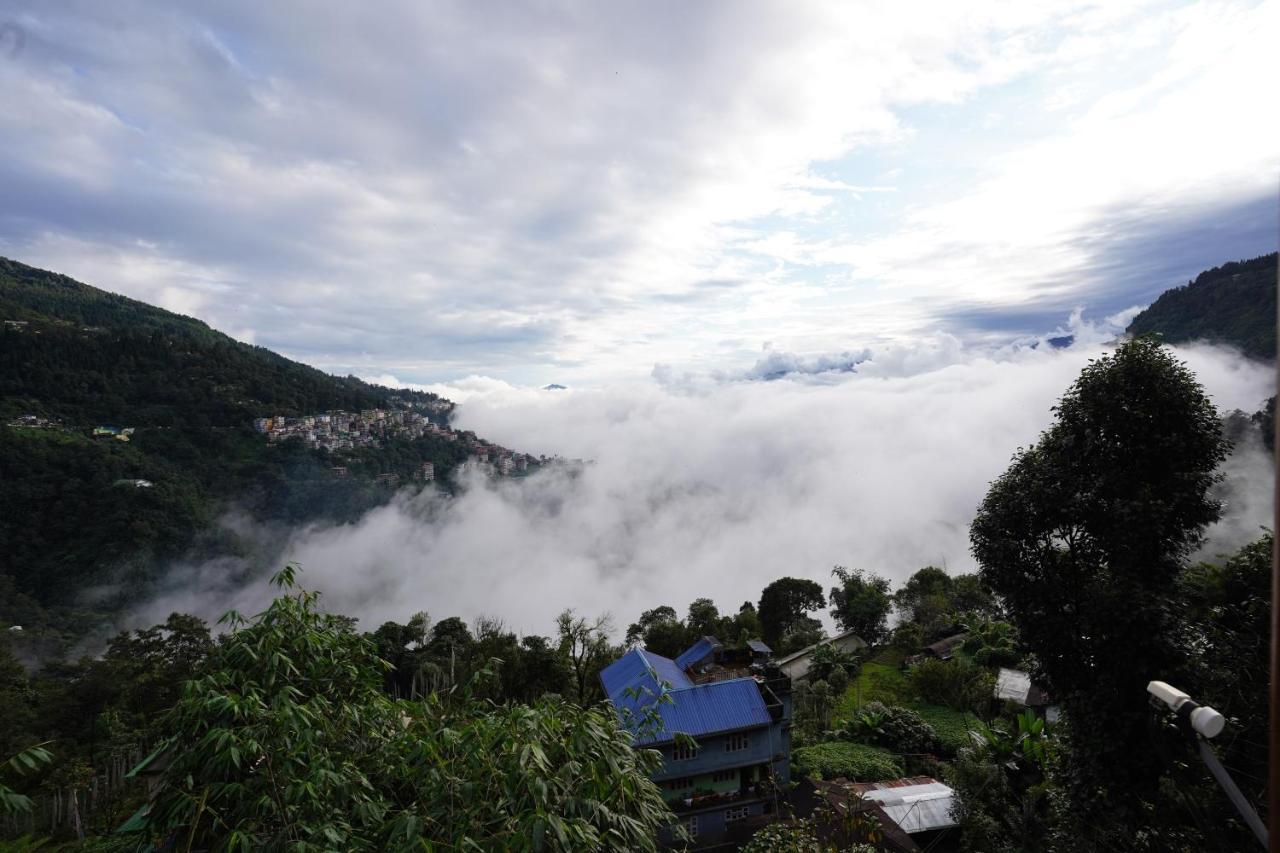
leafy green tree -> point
(660, 631)
(28, 760)
(1083, 538)
(990, 642)
(585, 645)
(278, 745)
(926, 599)
(1226, 634)
(968, 595)
(1265, 420)
(957, 683)
(804, 632)
(704, 619)
(827, 659)
(746, 625)
(1002, 797)
(814, 703)
(288, 741)
(860, 602)
(784, 604)
(540, 670)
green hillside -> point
(1231, 304)
(72, 514)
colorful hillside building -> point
(736, 709)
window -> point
(724, 776)
(691, 827)
(736, 813)
(735, 743)
(683, 752)
(679, 784)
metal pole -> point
(1233, 793)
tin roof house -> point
(796, 665)
(739, 715)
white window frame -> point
(680, 752)
(691, 827)
(736, 743)
(737, 813)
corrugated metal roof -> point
(639, 667)
(1013, 684)
(808, 650)
(759, 647)
(917, 808)
(697, 652)
(695, 710)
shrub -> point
(839, 681)
(957, 684)
(997, 656)
(900, 730)
(856, 761)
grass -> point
(951, 726)
(881, 680)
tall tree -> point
(660, 631)
(860, 602)
(1084, 537)
(926, 599)
(585, 643)
(703, 619)
(784, 604)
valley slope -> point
(74, 513)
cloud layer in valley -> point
(715, 488)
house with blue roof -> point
(736, 710)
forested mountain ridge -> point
(1232, 304)
(76, 352)
(72, 515)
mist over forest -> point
(713, 487)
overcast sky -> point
(575, 193)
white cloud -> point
(714, 493)
(559, 192)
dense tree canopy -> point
(784, 605)
(1084, 537)
(69, 516)
(860, 602)
(1232, 304)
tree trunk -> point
(74, 807)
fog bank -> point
(714, 486)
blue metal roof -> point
(694, 710)
(641, 668)
(696, 653)
(759, 646)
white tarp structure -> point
(1013, 684)
(917, 808)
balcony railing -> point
(694, 801)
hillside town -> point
(339, 430)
